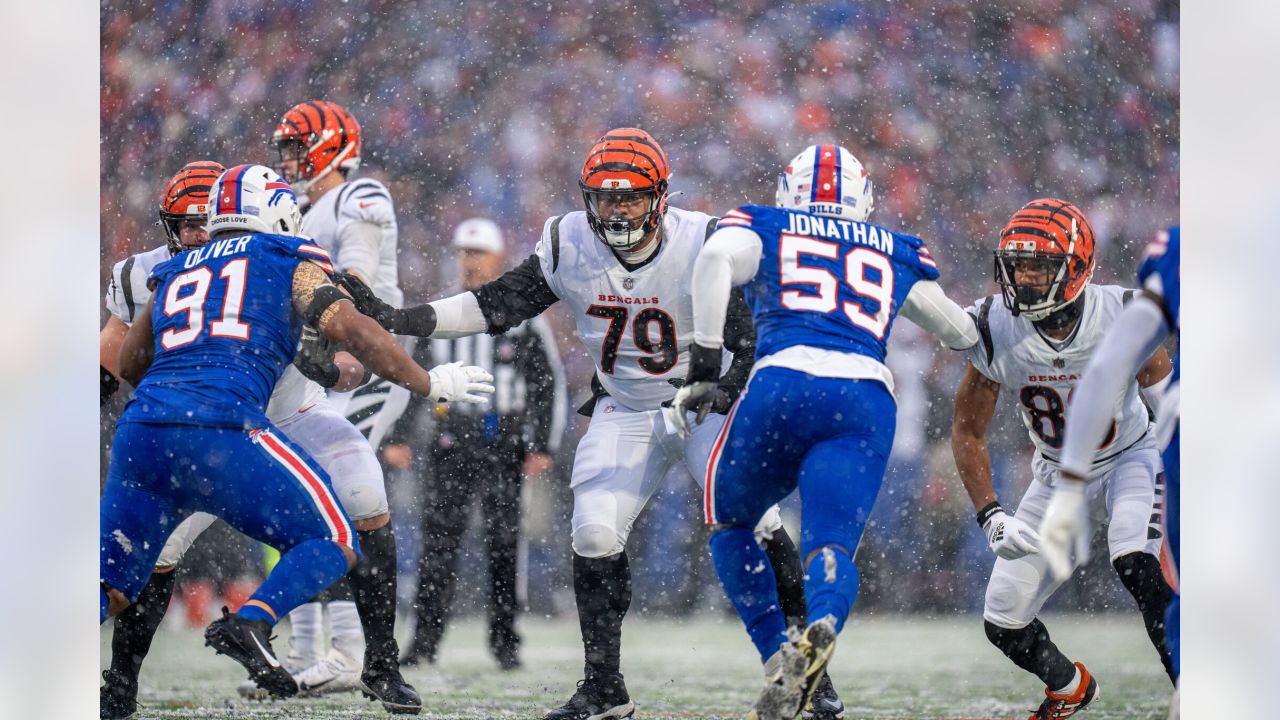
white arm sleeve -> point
(930, 308)
(1138, 331)
(730, 257)
(359, 249)
(458, 316)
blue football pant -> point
(829, 437)
(1173, 535)
(257, 481)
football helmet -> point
(320, 137)
(625, 166)
(186, 198)
(253, 198)
(1045, 258)
(826, 180)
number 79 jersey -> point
(827, 283)
(636, 323)
(225, 330)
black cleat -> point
(382, 681)
(598, 698)
(118, 696)
(825, 704)
(248, 642)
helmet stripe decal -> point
(825, 167)
(230, 188)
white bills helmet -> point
(253, 198)
(826, 180)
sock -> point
(136, 626)
(1142, 577)
(306, 632)
(345, 634)
(301, 573)
(749, 582)
(785, 560)
(1071, 687)
(373, 581)
(602, 588)
(1031, 649)
(831, 585)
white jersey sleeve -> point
(356, 223)
(127, 292)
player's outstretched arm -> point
(1130, 349)
(976, 397)
(137, 348)
(930, 308)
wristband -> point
(987, 511)
(704, 363)
(417, 321)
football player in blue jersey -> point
(1139, 330)
(824, 287)
(224, 321)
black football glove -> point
(109, 386)
(365, 301)
(315, 358)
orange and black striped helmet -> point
(186, 198)
(320, 136)
(627, 163)
(1053, 237)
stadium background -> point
(960, 113)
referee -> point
(483, 451)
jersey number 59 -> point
(192, 303)
(826, 299)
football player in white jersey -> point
(624, 268)
(1036, 339)
(298, 407)
(319, 144)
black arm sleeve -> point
(520, 294)
(540, 390)
(739, 339)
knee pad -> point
(362, 500)
(596, 541)
(1003, 602)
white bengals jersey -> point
(128, 294)
(635, 324)
(363, 200)
(1043, 374)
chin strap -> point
(1061, 318)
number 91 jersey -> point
(1042, 376)
(225, 330)
(636, 324)
(828, 283)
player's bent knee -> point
(363, 501)
(373, 523)
(1004, 604)
(596, 541)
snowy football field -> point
(885, 667)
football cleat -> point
(248, 642)
(817, 645)
(118, 696)
(783, 690)
(598, 698)
(381, 681)
(295, 662)
(1056, 707)
(335, 672)
(825, 704)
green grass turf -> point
(702, 667)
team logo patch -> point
(628, 283)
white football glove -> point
(455, 381)
(697, 397)
(1009, 537)
(1065, 529)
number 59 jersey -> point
(1042, 374)
(827, 283)
(636, 323)
(225, 330)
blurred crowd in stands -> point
(961, 112)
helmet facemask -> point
(1034, 284)
(172, 224)
(623, 218)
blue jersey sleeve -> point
(912, 252)
(1160, 273)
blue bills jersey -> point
(225, 330)
(1160, 273)
(828, 283)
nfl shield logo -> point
(628, 283)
